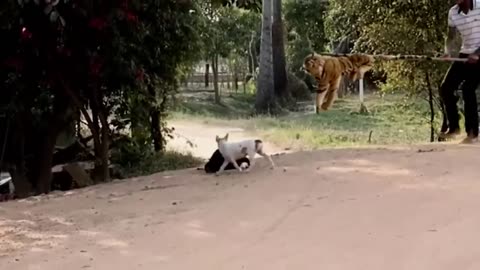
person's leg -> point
(470, 101)
(451, 82)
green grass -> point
(391, 120)
(159, 162)
(234, 106)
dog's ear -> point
(217, 138)
(226, 137)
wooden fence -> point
(226, 82)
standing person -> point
(463, 18)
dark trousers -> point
(469, 75)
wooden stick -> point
(404, 57)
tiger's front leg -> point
(331, 95)
(321, 93)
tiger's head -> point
(313, 64)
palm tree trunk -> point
(265, 100)
(279, 63)
(215, 78)
(207, 71)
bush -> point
(298, 88)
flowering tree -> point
(94, 57)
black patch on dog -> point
(5, 188)
(257, 143)
(213, 165)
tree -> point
(306, 20)
(265, 100)
(63, 58)
(225, 32)
(306, 33)
(280, 80)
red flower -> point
(95, 66)
(26, 34)
(131, 17)
(140, 75)
(97, 23)
(14, 62)
(64, 51)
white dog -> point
(236, 150)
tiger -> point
(328, 72)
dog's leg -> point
(263, 154)
(235, 164)
(251, 156)
(222, 168)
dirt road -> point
(332, 209)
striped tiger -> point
(328, 72)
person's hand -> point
(473, 58)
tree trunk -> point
(23, 187)
(228, 76)
(207, 73)
(253, 56)
(244, 85)
(104, 156)
(45, 159)
(60, 118)
(215, 78)
(251, 69)
(101, 137)
(101, 140)
(432, 109)
(155, 130)
(279, 63)
(265, 99)
(235, 79)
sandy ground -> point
(333, 209)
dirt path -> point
(331, 209)
(199, 139)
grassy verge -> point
(392, 120)
(235, 106)
(158, 162)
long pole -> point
(403, 57)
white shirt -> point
(468, 25)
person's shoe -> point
(449, 135)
